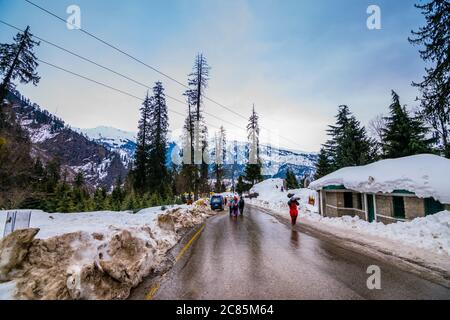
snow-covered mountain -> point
(120, 141)
(52, 139)
(276, 161)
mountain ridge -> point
(276, 161)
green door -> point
(432, 206)
(371, 207)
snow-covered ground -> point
(431, 233)
(54, 224)
(116, 249)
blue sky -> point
(297, 60)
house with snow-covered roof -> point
(387, 191)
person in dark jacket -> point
(241, 205)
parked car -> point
(217, 202)
(252, 195)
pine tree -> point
(324, 165)
(219, 155)
(434, 38)
(17, 61)
(348, 144)
(196, 127)
(254, 165)
(242, 186)
(141, 158)
(117, 195)
(354, 148)
(404, 135)
(79, 193)
(291, 180)
(99, 199)
(159, 126)
(336, 131)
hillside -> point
(51, 138)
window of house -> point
(399, 207)
(348, 200)
(433, 206)
(359, 203)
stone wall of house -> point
(414, 207)
(330, 199)
(384, 205)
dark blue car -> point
(217, 203)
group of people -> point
(236, 205)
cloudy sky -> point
(296, 60)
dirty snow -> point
(426, 175)
(102, 239)
(53, 224)
(431, 233)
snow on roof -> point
(426, 175)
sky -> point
(296, 60)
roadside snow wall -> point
(93, 265)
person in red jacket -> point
(293, 209)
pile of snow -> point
(431, 233)
(54, 224)
(96, 255)
(426, 175)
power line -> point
(117, 73)
(146, 65)
(100, 83)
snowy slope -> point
(51, 138)
(426, 175)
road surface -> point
(258, 256)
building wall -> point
(414, 208)
(336, 209)
(384, 205)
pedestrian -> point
(293, 209)
(241, 205)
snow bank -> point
(426, 175)
(97, 255)
(431, 233)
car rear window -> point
(216, 200)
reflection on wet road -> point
(258, 257)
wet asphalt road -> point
(258, 257)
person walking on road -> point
(293, 209)
(241, 205)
